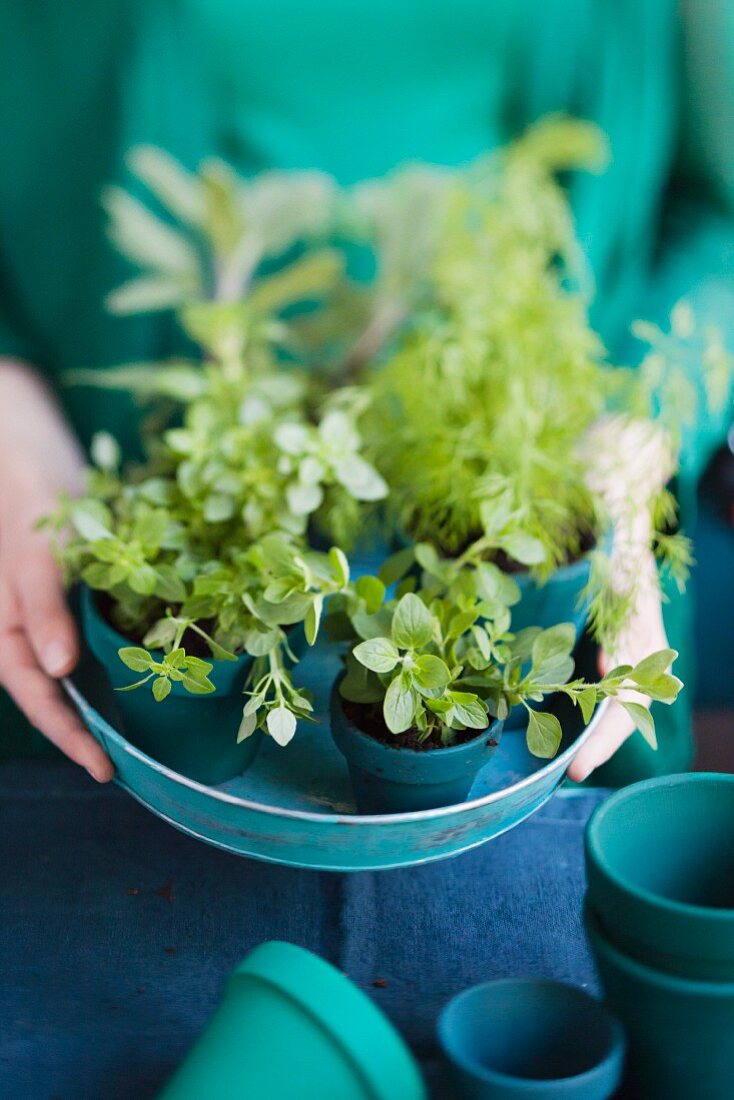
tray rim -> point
(85, 708)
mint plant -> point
(439, 658)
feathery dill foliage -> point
(480, 408)
(481, 404)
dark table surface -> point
(117, 932)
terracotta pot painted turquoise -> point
(193, 735)
(388, 780)
(559, 600)
(660, 869)
(679, 1031)
(291, 1026)
(525, 1039)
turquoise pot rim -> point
(661, 979)
(341, 1008)
(593, 846)
(611, 1063)
(116, 640)
(562, 574)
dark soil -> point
(367, 717)
(195, 645)
(587, 542)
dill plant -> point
(481, 402)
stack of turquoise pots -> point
(660, 920)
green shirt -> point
(356, 89)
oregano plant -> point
(438, 657)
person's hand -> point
(643, 635)
(628, 462)
(38, 641)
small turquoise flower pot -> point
(291, 1026)
(522, 1039)
(559, 600)
(660, 869)
(193, 735)
(680, 1031)
(389, 780)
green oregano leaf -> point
(412, 625)
(643, 720)
(377, 654)
(139, 660)
(161, 688)
(544, 734)
(400, 704)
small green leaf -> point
(587, 702)
(340, 565)
(139, 660)
(429, 561)
(259, 643)
(303, 499)
(664, 688)
(653, 666)
(218, 507)
(313, 619)
(218, 652)
(643, 720)
(468, 710)
(97, 575)
(544, 734)
(412, 625)
(195, 665)
(361, 480)
(93, 520)
(248, 725)
(281, 724)
(253, 704)
(169, 585)
(161, 688)
(480, 637)
(525, 549)
(554, 643)
(431, 672)
(143, 579)
(377, 654)
(400, 704)
(292, 438)
(196, 685)
(161, 634)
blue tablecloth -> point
(117, 932)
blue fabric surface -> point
(118, 932)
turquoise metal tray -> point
(294, 806)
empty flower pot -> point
(291, 1026)
(660, 868)
(193, 735)
(679, 1030)
(391, 780)
(522, 1039)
